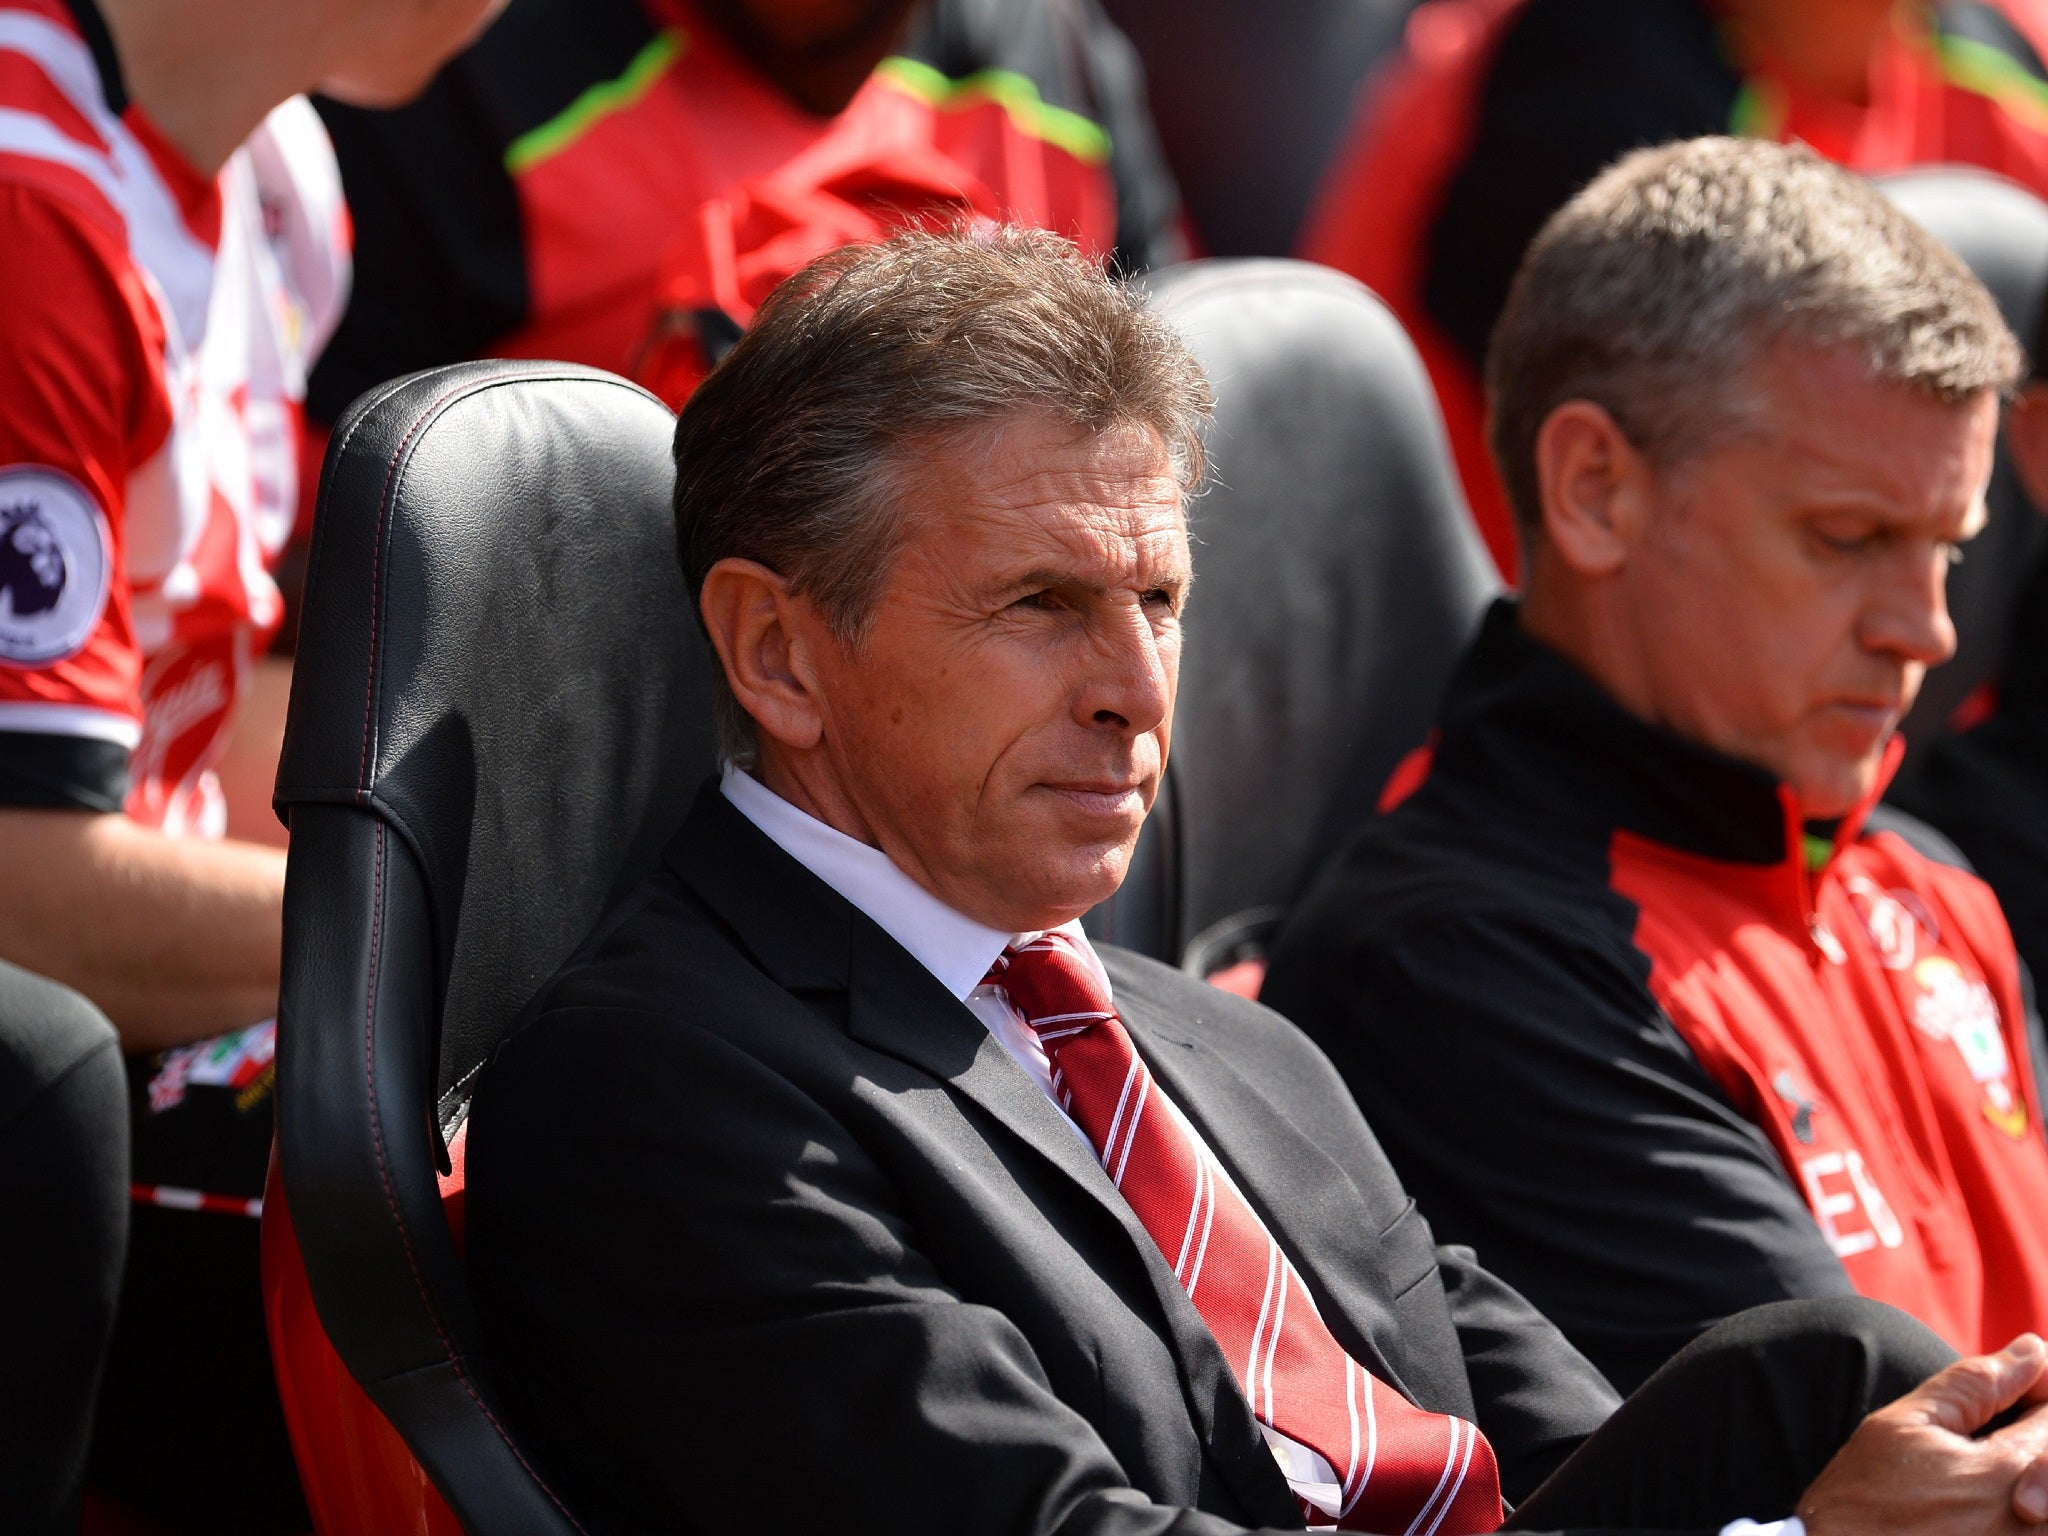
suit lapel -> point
(895, 1005)
(810, 939)
(1296, 1188)
(899, 1007)
(795, 926)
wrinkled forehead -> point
(1037, 488)
(1807, 425)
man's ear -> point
(760, 631)
(2026, 439)
(1595, 487)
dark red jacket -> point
(1658, 1052)
(608, 182)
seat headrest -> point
(2000, 230)
(497, 657)
(1338, 576)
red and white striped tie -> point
(1398, 1468)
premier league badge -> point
(56, 558)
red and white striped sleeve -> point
(82, 404)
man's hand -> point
(1913, 1468)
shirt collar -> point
(952, 946)
(1521, 717)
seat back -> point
(1337, 579)
(2001, 231)
(500, 707)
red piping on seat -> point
(369, 1021)
(377, 550)
(390, 1196)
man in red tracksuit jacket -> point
(621, 182)
(1642, 1003)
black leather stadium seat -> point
(2001, 230)
(500, 709)
(502, 703)
(1337, 578)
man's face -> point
(1787, 597)
(1001, 729)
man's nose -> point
(1133, 668)
(1909, 615)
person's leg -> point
(1740, 1421)
(191, 1435)
(64, 1227)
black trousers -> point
(1739, 1422)
(63, 1229)
(190, 1434)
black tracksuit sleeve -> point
(1537, 1102)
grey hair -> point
(1653, 291)
(797, 450)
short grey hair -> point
(1653, 291)
(797, 450)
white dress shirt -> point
(959, 951)
(954, 948)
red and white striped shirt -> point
(159, 327)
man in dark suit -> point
(839, 1179)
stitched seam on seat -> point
(391, 1198)
(361, 788)
(492, 1419)
(336, 450)
(376, 1117)
(419, 425)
